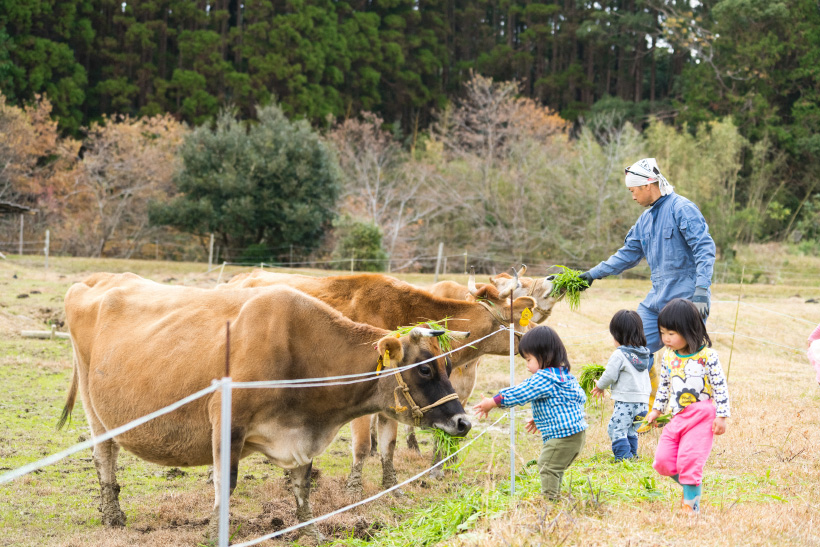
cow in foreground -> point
(140, 346)
(387, 302)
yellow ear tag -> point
(526, 315)
(379, 365)
(386, 359)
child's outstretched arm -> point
(482, 409)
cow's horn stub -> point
(419, 332)
(512, 285)
(471, 282)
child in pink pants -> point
(814, 351)
(693, 384)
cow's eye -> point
(425, 371)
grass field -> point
(761, 483)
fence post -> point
(351, 263)
(438, 260)
(225, 448)
(465, 262)
(45, 249)
(20, 244)
(512, 408)
(211, 252)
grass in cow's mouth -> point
(569, 284)
(447, 445)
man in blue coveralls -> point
(673, 237)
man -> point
(673, 237)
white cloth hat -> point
(644, 172)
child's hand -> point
(597, 392)
(652, 416)
(719, 426)
(483, 408)
(530, 426)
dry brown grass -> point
(761, 481)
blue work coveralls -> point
(674, 238)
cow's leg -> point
(388, 432)
(374, 438)
(410, 436)
(300, 484)
(105, 461)
(360, 433)
(237, 442)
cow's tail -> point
(71, 397)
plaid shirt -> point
(557, 402)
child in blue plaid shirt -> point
(557, 405)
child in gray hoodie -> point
(627, 374)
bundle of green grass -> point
(569, 284)
(590, 374)
(660, 421)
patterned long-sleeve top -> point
(687, 379)
(815, 335)
(557, 402)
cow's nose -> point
(463, 427)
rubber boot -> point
(633, 445)
(620, 447)
(691, 498)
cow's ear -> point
(520, 304)
(486, 290)
(393, 345)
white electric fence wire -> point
(28, 468)
(302, 382)
(766, 309)
(758, 340)
(371, 498)
(360, 377)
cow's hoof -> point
(354, 488)
(114, 518)
(413, 444)
(310, 535)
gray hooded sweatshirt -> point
(627, 373)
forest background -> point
(319, 132)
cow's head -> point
(539, 289)
(421, 395)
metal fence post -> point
(512, 408)
(225, 445)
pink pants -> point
(686, 442)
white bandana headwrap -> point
(644, 172)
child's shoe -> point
(621, 449)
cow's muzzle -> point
(457, 426)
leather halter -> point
(490, 307)
(416, 411)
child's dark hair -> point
(626, 328)
(681, 316)
(544, 344)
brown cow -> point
(499, 289)
(498, 293)
(140, 346)
(387, 302)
